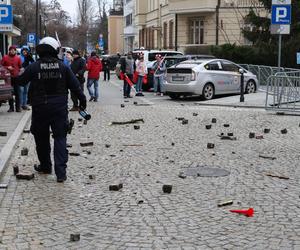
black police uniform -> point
(50, 80)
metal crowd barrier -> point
(264, 72)
(283, 92)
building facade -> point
(130, 31)
(191, 24)
(115, 28)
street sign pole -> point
(280, 21)
(279, 50)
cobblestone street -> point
(41, 214)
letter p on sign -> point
(3, 13)
(281, 13)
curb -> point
(6, 151)
(230, 105)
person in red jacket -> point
(14, 64)
(94, 67)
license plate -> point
(2, 82)
(178, 78)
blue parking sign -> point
(31, 38)
(6, 16)
(281, 14)
(298, 58)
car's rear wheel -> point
(250, 87)
(174, 96)
(208, 91)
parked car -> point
(207, 77)
(5, 85)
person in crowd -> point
(94, 67)
(127, 68)
(106, 68)
(141, 69)
(50, 81)
(68, 58)
(78, 67)
(159, 68)
(26, 59)
(14, 64)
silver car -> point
(207, 78)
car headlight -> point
(193, 78)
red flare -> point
(248, 213)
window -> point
(171, 28)
(230, 67)
(213, 66)
(128, 20)
(196, 31)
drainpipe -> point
(176, 31)
(217, 21)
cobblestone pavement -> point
(8, 123)
(41, 214)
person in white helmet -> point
(50, 81)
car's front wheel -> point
(250, 87)
(174, 96)
(208, 91)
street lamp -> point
(36, 21)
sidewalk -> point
(255, 100)
(13, 124)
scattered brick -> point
(167, 189)
(24, 152)
(25, 176)
(74, 237)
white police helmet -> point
(48, 45)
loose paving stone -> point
(182, 175)
(26, 131)
(251, 135)
(259, 137)
(27, 177)
(184, 122)
(267, 130)
(226, 125)
(122, 106)
(195, 114)
(136, 127)
(107, 145)
(86, 144)
(167, 189)
(74, 237)
(24, 152)
(230, 134)
(214, 120)
(208, 126)
(74, 154)
(210, 145)
(114, 187)
(3, 133)
(85, 122)
(284, 131)
(16, 170)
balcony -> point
(192, 6)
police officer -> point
(50, 80)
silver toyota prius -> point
(207, 78)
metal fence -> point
(264, 72)
(283, 92)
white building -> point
(130, 31)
